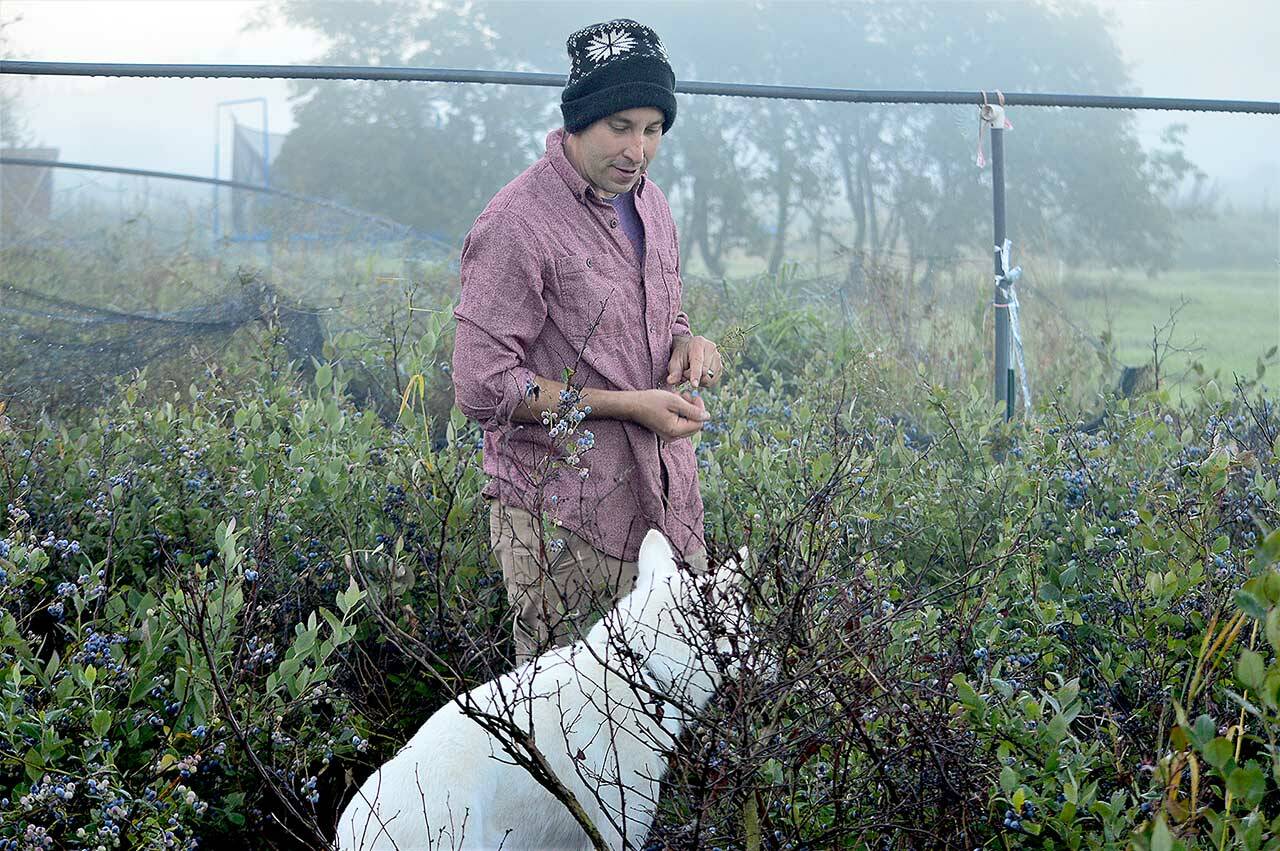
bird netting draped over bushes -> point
(66, 349)
(125, 273)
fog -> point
(1174, 48)
(221, 407)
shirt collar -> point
(582, 190)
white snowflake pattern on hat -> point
(608, 45)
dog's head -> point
(691, 630)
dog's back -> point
(592, 714)
(454, 787)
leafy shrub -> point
(222, 607)
(178, 620)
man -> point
(574, 266)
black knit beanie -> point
(617, 65)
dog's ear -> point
(656, 558)
(729, 583)
(736, 564)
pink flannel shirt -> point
(549, 281)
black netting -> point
(64, 351)
(252, 152)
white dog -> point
(602, 712)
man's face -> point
(613, 152)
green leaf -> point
(1218, 752)
(1203, 730)
(100, 722)
(1067, 578)
(289, 667)
(348, 599)
(968, 696)
(1271, 688)
(1273, 627)
(324, 376)
(1250, 605)
(331, 619)
(1271, 545)
(1271, 586)
(1161, 838)
(1247, 783)
(1057, 728)
(1008, 779)
(55, 662)
(1250, 669)
(298, 684)
(34, 761)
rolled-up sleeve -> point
(501, 312)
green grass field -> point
(1225, 320)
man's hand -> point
(669, 415)
(696, 360)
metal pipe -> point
(217, 165)
(518, 78)
(213, 181)
(1004, 371)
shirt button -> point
(613, 223)
(588, 262)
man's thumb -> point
(694, 412)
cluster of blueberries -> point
(1077, 489)
(1013, 820)
(96, 651)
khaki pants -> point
(556, 600)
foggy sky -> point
(1176, 48)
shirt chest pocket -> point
(671, 278)
(587, 302)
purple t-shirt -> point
(550, 280)
(624, 204)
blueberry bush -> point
(222, 605)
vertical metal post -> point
(217, 162)
(1004, 370)
(266, 147)
(266, 176)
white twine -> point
(1009, 277)
(991, 115)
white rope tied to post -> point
(1006, 280)
(991, 115)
